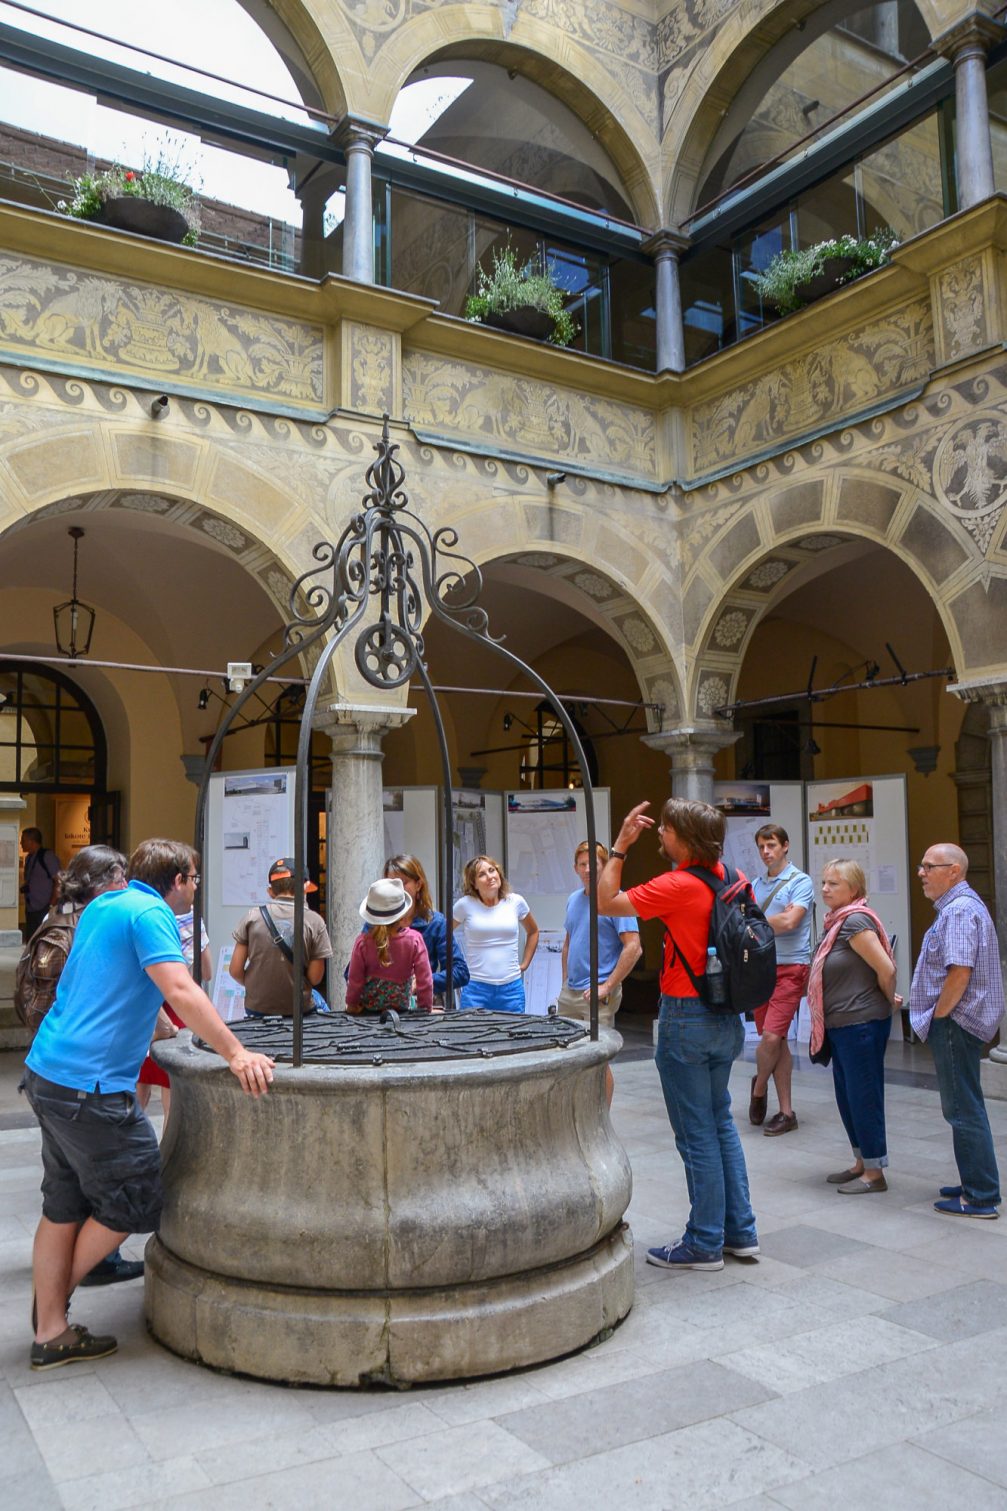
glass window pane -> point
(633, 314)
(828, 210)
(707, 303)
(900, 183)
(432, 250)
(753, 254)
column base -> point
(357, 1339)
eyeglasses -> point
(193, 876)
(934, 865)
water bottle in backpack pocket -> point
(741, 951)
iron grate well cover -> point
(342, 1039)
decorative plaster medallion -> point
(539, 559)
(662, 691)
(593, 585)
(712, 694)
(144, 503)
(767, 574)
(820, 542)
(638, 635)
(730, 629)
(228, 535)
(970, 473)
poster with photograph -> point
(749, 805)
(864, 819)
(256, 829)
(544, 829)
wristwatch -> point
(617, 855)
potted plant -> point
(513, 297)
(794, 279)
(152, 201)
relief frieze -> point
(54, 313)
(522, 414)
(842, 376)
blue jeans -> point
(502, 997)
(695, 1052)
(957, 1054)
(858, 1075)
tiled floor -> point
(859, 1363)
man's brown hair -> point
(700, 828)
(158, 861)
(773, 831)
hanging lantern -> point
(73, 621)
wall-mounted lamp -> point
(812, 747)
(204, 698)
(238, 673)
(159, 406)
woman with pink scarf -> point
(851, 994)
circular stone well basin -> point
(391, 1222)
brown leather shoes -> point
(757, 1106)
(783, 1122)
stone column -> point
(314, 183)
(358, 140)
(666, 247)
(966, 44)
(691, 751)
(355, 851)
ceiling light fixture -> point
(73, 621)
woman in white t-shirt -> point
(492, 917)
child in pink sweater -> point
(389, 957)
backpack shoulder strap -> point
(277, 937)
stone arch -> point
(573, 576)
(317, 43)
(760, 550)
(710, 70)
(549, 56)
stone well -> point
(392, 1222)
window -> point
(51, 738)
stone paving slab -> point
(860, 1361)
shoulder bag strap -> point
(777, 888)
(278, 939)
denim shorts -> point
(100, 1157)
(497, 997)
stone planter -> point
(834, 270)
(526, 321)
(391, 1223)
(128, 212)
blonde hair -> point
(585, 846)
(381, 933)
(851, 872)
(469, 887)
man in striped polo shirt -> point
(956, 1003)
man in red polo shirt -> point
(695, 1048)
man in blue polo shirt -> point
(786, 896)
(618, 951)
(101, 1162)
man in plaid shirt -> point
(956, 1003)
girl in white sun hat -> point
(390, 960)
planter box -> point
(526, 321)
(834, 271)
(128, 212)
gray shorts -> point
(100, 1157)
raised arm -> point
(612, 900)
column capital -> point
(193, 767)
(359, 728)
(354, 134)
(668, 242)
(693, 744)
(976, 32)
(993, 692)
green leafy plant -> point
(512, 286)
(781, 283)
(159, 181)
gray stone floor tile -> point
(460, 1459)
(73, 1450)
(637, 1409)
(356, 1481)
(829, 1298)
(805, 1246)
(458, 1404)
(199, 1428)
(229, 1462)
(409, 1420)
(138, 1485)
(19, 1455)
(900, 1478)
(976, 1443)
(31, 1491)
(896, 1276)
(711, 1464)
(842, 1348)
(64, 1397)
(962, 1312)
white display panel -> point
(544, 977)
(412, 821)
(249, 824)
(749, 805)
(864, 819)
(9, 853)
(543, 831)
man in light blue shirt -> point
(619, 949)
(101, 1162)
(786, 896)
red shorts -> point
(778, 1013)
(151, 1074)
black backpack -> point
(744, 942)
